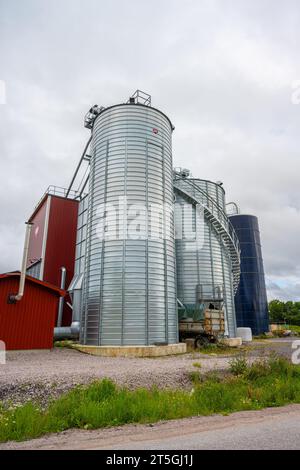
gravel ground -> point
(44, 374)
(41, 375)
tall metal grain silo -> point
(207, 250)
(251, 298)
(129, 287)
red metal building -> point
(53, 241)
(29, 323)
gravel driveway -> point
(43, 374)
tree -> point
(287, 312)
(277, 311)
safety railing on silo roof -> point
(218, 219)
(61, 192)
(140, 97)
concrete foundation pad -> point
(132, 351)
(232, 342)
(190, 343)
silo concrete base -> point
(232, 342)
(132, 351)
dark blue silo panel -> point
(251, 298)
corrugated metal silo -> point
(251, 298)
(208, 261)
(129, 288)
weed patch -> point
(197, 365)
(238, 365)
(220, 348)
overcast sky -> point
(222, 70)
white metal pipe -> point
(20, 294)
(62, 332)
(61, 299)
(68, 332)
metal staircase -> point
(216, 216)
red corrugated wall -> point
(29, 323)
(61, 244)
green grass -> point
(220, 348)
(197, 364)
(65, 343)
(294, 328)
(238, 365)
(274, 382)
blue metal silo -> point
(251, 298)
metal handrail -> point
(219, 209)
(234, 245)
(58, 191)
(234, 204)
(141, 97)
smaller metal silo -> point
(207, 250)
(251, 299)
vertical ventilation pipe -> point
(61, 299)
(20, 294)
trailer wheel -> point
(201, 341)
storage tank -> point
(207, 253)
(129, 286)
(251, 298)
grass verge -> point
(295, 329)
(267, 383)
(65, 343)
(221, 349)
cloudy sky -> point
(225, 71)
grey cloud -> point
(291, 291)
(221, 70)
